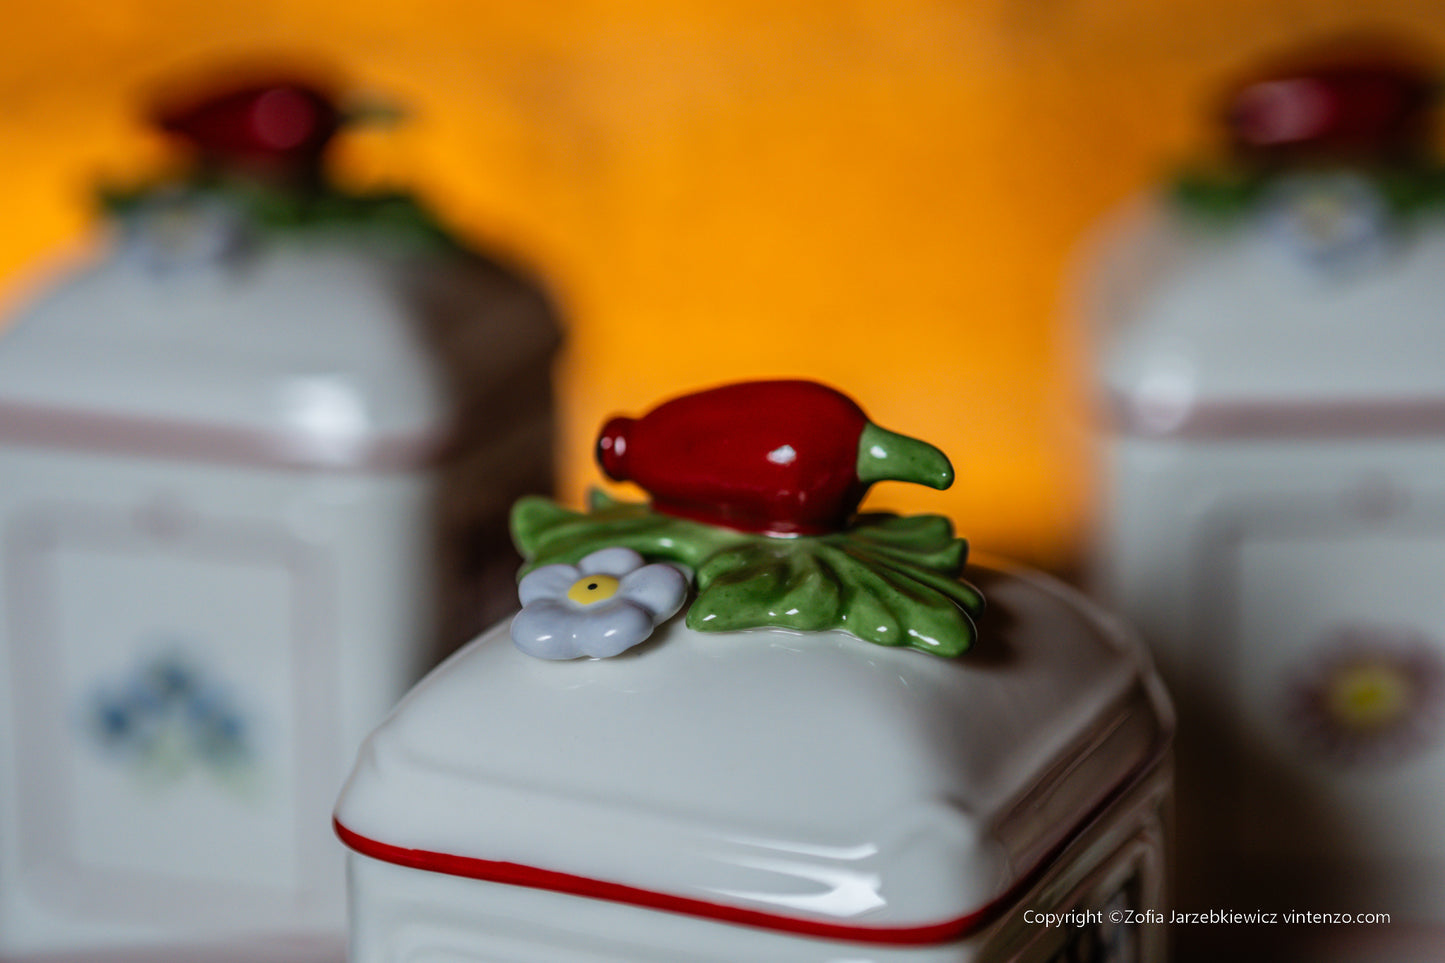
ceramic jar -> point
(1275, 459)
(727, 742)
(226, 447)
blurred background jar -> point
(1275, 491)
(257, 453)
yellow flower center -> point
(1322, 215)
(1367, 696)
(592, 588)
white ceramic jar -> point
(1275, 463)
(220, 459)
(764, 793)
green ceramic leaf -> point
(835, 582)
(546, 533)
(1223, 194)
(1213, 194)
(919, 539)
(887, 579)
(392, 218)
(1412, 191)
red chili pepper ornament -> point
(276, 129)
(779, 457)
(1359, 102)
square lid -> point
(804, 782)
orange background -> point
(882, 195)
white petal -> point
(660, 589)
(615, 561)
(615, 631)
(547, 630)
(549, 581)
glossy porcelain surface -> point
(808, 777)
(401, 914)
(1237, 330)
(303, 353)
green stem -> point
(884, 455)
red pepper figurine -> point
(278, 128)
(781, 457)
(1361, 103)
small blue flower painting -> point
(166, 718)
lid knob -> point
(782, 457)
(276, 129)
(1356, 103)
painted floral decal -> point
(166, 718)
(1370, 695)
(1334, 222)
(608, 602)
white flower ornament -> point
(600, 607)
(181, 231)
(1332, 222)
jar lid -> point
(1224, 334)
(309, 361)
(806, 783)
(766, 759)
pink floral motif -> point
(1369, 696)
